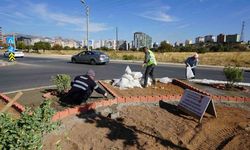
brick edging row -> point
(20, 108)
(130, 99)
(214, 97)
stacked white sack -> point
(128, 80)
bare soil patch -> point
(154, 90)
(153, 127)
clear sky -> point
(172, 20)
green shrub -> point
(233, 75)
(62, 82)
(27, 131)
(128, 57)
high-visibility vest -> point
(152, 59)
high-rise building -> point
(188, 42)
(142, 40)
(209, 39)
(199, 40)
(233, 38)
(1, 35)
(221, 38)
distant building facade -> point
(122, 45)
(209, 39)
(221, 38)
(188, 42)
(142, 40)
(199, 39)
(25, 40)
(233, 38)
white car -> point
(17, 53)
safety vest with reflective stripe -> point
(152, 59)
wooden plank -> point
(18, 95)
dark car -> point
(92, 57)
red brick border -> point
(130, 99)
(16, 105)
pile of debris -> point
(128, 80)
(132, 79)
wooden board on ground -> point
(196, 104)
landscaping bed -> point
(242, 91)
(154, 90)
(34, 98)
(153, 127)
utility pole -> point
(87, 21)
(242, 32)
(117, 38)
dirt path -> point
(148, 127)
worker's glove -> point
(106, 94)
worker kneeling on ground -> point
(82, 88)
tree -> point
(165, 47)
(42, 46)
(20, 45)
(57, 47)
(66, 48)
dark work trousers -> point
(76, 96)
(149, 72)
(193, 69)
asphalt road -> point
(30, 72)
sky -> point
(172, 20)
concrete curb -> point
(131, 99)
(4, 63)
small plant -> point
(27, 131)
(128, 57)
(233, 75)
(62, 82)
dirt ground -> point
(153, 127)
(10, 111)
(159, 89)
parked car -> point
(92, 57)
(17, 53)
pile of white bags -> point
(128, 80)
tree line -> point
(163, 47)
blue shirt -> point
(191, 61)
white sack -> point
(128, 70)
(189, 73)
(137, 75)
(165, 80)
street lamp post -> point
(87, 21)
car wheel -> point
(92, 62)
(73, 60)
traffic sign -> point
(10, 40)
(11, 49)
(12, 57)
